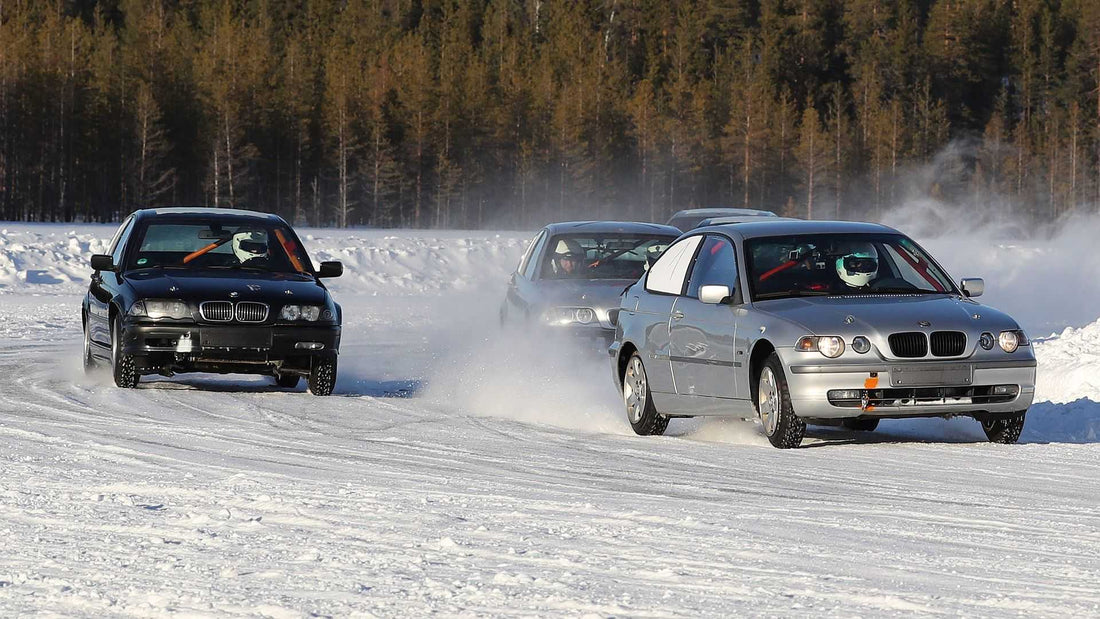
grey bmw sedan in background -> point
(573, 273)
(820, 322)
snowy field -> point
(458, 472)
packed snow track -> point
(459, 470)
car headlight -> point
(830, 346)
(160, 309)
(308, 313)
(569, 315)
(1010, 341)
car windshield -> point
(840, 265)
(611, 256)
(261, 246)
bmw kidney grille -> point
(226, 311)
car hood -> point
(218, 285)
(594, 293)
(882, 315)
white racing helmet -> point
(249, 245)
(859, 266)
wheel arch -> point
(625, 351)
(761, 350)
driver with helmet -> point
(250, 247)
(857, 266)
(567, 258)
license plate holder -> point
(941, 375)
(252, 339)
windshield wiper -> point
(794, 293)
(896, 290)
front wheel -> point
(773, 403)
(1004, 429)
(322, 378)
(640, 410)
(123, 365)
(90, 364)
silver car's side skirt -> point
(702, 406)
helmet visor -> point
(860, 264)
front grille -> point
(948, 343)
(216, 311)
(909, 345)
(925, 396)
(250, 311)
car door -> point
(703, 335)
(652, 306)
(104, 287)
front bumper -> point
(237, 348)
(911, 389)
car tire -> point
(287, 381)
(640, 410)
(123, 365)
(322, 377)
(90, 363)
(773, 405)
(1004, 429)
(861, 425)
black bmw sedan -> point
(211, 290)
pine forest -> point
(512, 113)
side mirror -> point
(714, 295)
(972, 286)
(331, 269)
(103, 262)
(613, 317)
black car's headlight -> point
(308, 313)
(569, 316)
(157, 308)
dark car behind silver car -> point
(573, 273)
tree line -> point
(467, 113)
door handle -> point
(677, 315)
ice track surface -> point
(459, 471)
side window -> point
(118, 244)
(522, 268)
(716, 265)
(532, 265)
(668, 273)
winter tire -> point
(123, 366)
(861, 425)
(640, 410)
(773, 404)
(90, 363)
(287, 381)
(322, 378)
(1004, 429)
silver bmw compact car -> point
(818, 322)
(573, 273)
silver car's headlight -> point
(155, 308)
(310, 313)
(1010, 341)
(829, 345)
(569, 315)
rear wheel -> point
(1004, 429)
(640, 410)
(773, 403)
(123, 365)
(861, 425)
(322, 378)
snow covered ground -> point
(460, 472)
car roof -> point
(611, 227)
(719, 212)
(738, 219)
(782, 226)
(203, 210)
